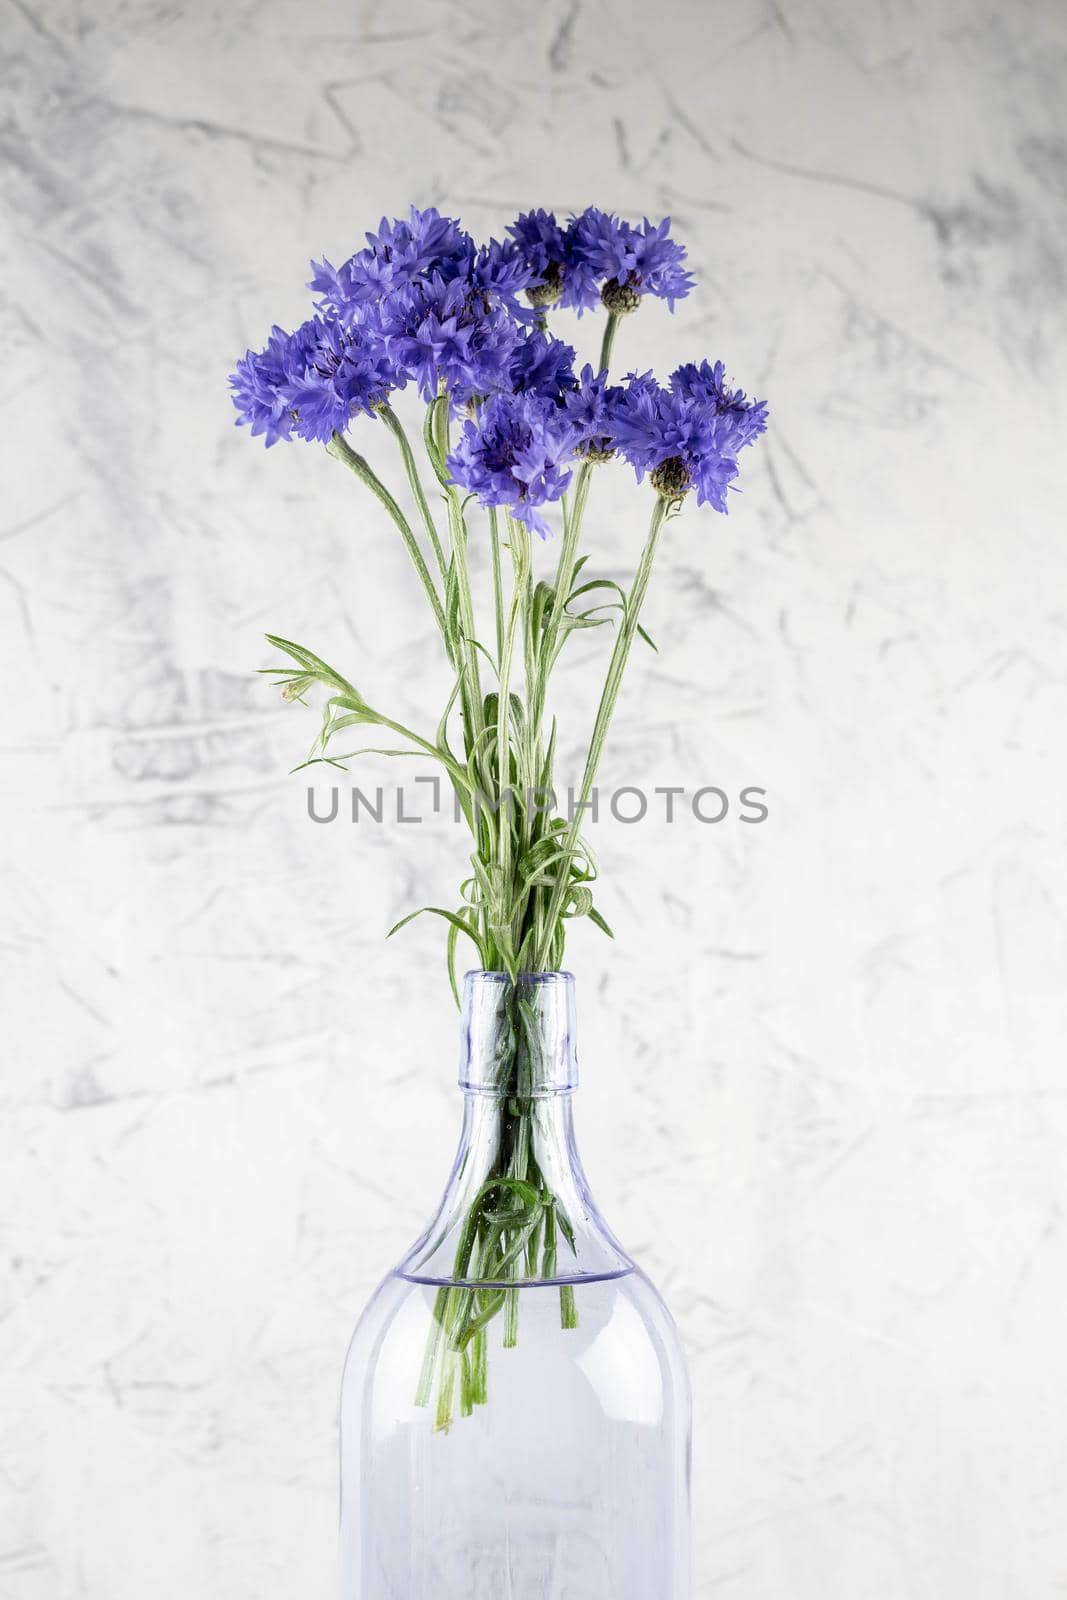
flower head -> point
(595, 254)
(310, 383)
(500, 272)
(586, 263)
(258, 383)
(423, 328)
(400, 251)
(707, 384)
(681, 436)
(435, 329)
(516, 453)
(542, 365)
(622, 263)
(339, 374)
(590, 407)
(539, 239)
(655, 263)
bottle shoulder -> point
(517, 1198)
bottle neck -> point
(517, 1037)
(517, 1194)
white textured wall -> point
(825, 1092)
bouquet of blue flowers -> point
(510, 426)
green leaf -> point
(313, 670)
(450, 960)
(450, 917)
(478, 645)
(364, 750)
(579, 901)
(597, 583)
(566, 1227)
(541, 605)
(490, 1305)
(358, 719)
(429, 439)
(442, 727)
(545, 774)
(452, 598)
(571, 624)
(323, 761)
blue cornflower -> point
(500, 272)
(708, 384)
(494, 337)
(310, 383)
(400, 252)
(594, 255)
(625, 262)
(590, 407)
(423, 328)
(258, 384)
(435, 329)
(539, 240)
(655, 263)
(542, 365)
(343, 374)
(682, 438)
(516, 453)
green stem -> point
(519, 1165)
(573, 517)
(617, 665)
(433, 1348)
(454, 770)
(396, 427)
(443, 1417)
(480, 1362)
(505, 798)
(572, 529)
(466, 1385)
(511, 1319)
(343, 452)
(546, 654)
(474, 719)
(542, 654)
(498, 582)
(606, 344)
(530, 762)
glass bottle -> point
(515, 1404)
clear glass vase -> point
(515, 1405)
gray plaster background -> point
(825, 1097)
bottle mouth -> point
(518, 1034)
(520, 979)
